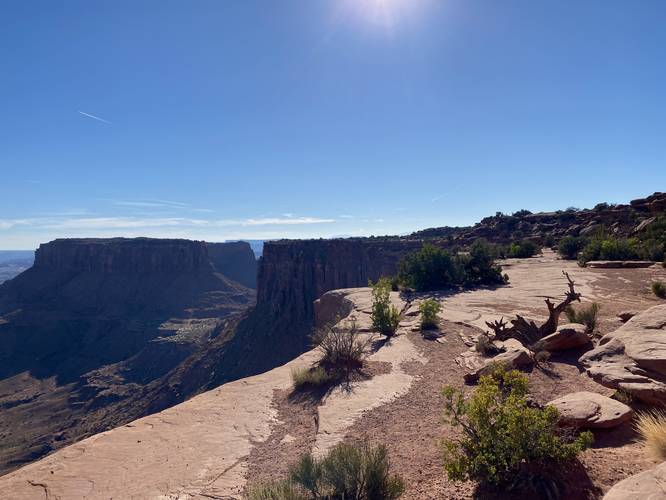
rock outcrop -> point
(633, 357)
(648, 485)
(91, 325)
(568, 336)
(591, 410)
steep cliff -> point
(234, 259)
(92, 324)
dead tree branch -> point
(528, 333)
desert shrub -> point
(584, 315)
(570, 246)
(385, 316)
(659, 289)
(506, 443)
(341, 350)
(277, 490)
(651, 426)
(429, 309)
(521, 213)
(306, 378)
(346, 472)
(433, 268)
(485, 347)
(522, 249)
(429, 268)
(478, 266)
(548, 240)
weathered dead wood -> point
(528, 333)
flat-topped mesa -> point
(294, 273)
(122, 255)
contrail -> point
(95, 117)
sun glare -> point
(384, 14)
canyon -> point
(98, 333)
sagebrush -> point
(659, 289)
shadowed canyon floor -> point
(250, 430)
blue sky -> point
(254, 119)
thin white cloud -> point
(275, 221)
(95, 117)
(346, 216)
(122, 222)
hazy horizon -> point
(254, 120)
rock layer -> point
(633, 357)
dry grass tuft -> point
(652, 428)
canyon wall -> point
(294, 273)
(236, 260)
(135, 255)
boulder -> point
(626, 315)
(515, 357)
(591, 410)
(569, 336)
(648, 485)
(633, 357)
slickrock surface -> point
(591, 410)
(633, 357)
(648, 485)
(250, 430)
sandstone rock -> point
(626, 315)
(569, 336)
(633, 357)
(648, 485)
(619, 264)
(591, 410)
(643, 225)
(514, 358)
(331, 308)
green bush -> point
(478, 267)
(346, 472)
(433, 268)
(385, 316)
(506, 443)
(522, 249)
(429, 268)
(611, 249)
(584, 315)
(659, 289)
(569, 247)
(429, 309)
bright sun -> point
(381, 13)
